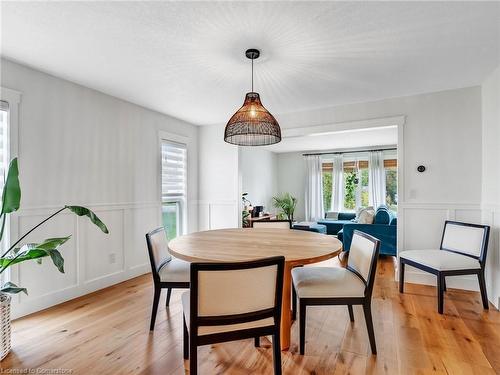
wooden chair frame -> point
(365, 301)
(191, 338)
(441, 275)
(158, 284)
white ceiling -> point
(187, 58)
(350, 139)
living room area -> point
(331, 182)
(249, 187)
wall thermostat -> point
(421, 168)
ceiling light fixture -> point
(252, 124)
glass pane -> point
(327, 190)
(350, 189)
(170, 218)
(391, 182)
(364, 188)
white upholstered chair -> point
(316, 286)
(168, 272)
(233, 301)
(462, 251)
(278, 224)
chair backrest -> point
(467, 239)
(233, 293)
(363, 257)
(157, 249)
(279, 224)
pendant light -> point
(252, 124)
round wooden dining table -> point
(244, 244)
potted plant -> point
(286, 203)
(19, 252)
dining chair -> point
(353, 285)
(462, 251)
(278, 224)
(233, 301)
(168, 272)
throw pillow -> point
(332, 215)
(366, 215)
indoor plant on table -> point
(286, 203)
(19, 252)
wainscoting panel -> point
(93, 260)
(423, 228)
(44, 279)
(218, 215)
(139, 221)
(103, 254)
(491, 216)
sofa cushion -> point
(394, 221)
(365, 215)
(347, 216)
(340, 234)
(382, 216)
(332, 215)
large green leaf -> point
(11, 196)
(52, 243)
(83, 211)
(34, 251)
(57, 259)
(12, 288)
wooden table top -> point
(244, 244)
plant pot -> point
(4, 325)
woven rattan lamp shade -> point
(252, 124)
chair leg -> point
(169, 292)
(482, 287)
(256, 342)
(444, 284)
(351, 313)
(294, 303)
(401, 276)
(156, 300)
(193, 356)
(186, 339)
(440, 291)
(369, 325)
(277, 353)
(302, 327)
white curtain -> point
(338, 183)
(314, 189)
(376, 178)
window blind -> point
(173, 171)
(4, 113)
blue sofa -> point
(335, 226)
(384, 228)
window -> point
(173, 186)
(391, 183)
(4, 145)
(356, 182)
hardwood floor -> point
(107, 332)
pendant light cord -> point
(252, 75)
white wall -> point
(443, 132)
(258, 170)
(292, 179)
(79, 146)
(490, 92)
(219, 200)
